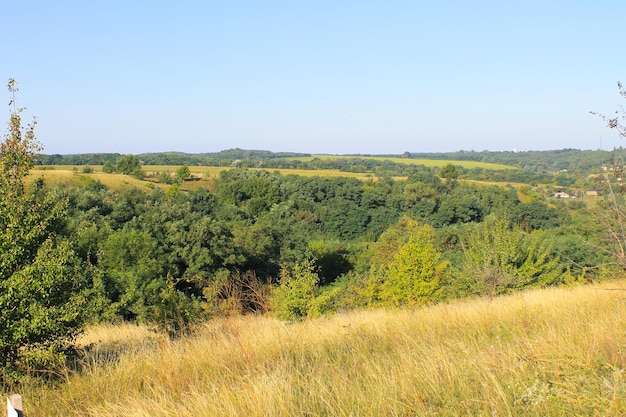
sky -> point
(336, 77)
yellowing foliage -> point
(413, 277)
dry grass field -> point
(202, 176)
(552, 352)
(68, 176)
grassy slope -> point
(203, 176)
(549, 352)
(73, 175)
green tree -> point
(537, 215)
(406, 267)
(43, 286)
(108, 168)
(413, 276)
(449, 171)
(500, 258)
(129, 165)
(129, 258)
(294, 297)
(182, 173)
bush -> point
(183, 173)
(127, 164)
(108, 168)
(294, 297)
(500, 258)
(413, 276)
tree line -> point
(538, 162)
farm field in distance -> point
(407, 161)
(213, 172)
(202, 176)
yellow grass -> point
(213, 172)
(73, 176)
(202, 176)
(552, 352)
(66, 176)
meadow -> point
(550, 352)
(68, 176)
(203, 176)
(213, 172)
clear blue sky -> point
(315, 76)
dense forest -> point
(301, 246)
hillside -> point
(549, 352)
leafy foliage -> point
(406, 267)
(500, 258)
(183, 173)
(193, 246)
(294, 297)
(413, 277)
(44, 287)
(129, 165)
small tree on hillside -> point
(129, 165)
(294, 298)
(182, 173)
(108, 167)
(406, 267)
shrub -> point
(108, 168)
(413, 276)
(293, 298)
(500, 258)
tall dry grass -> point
(551, 352)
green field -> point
(408, 161)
